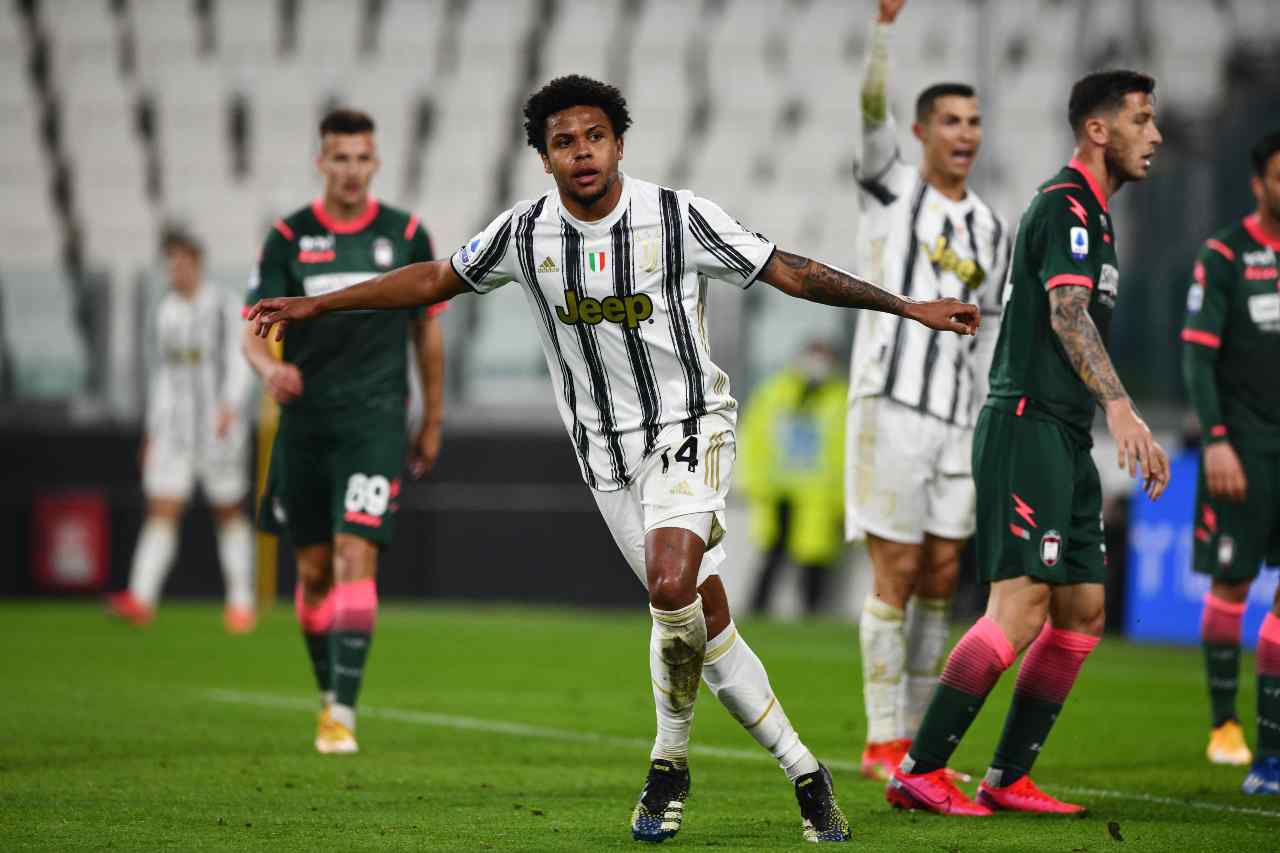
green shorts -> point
(1234, 539)
(335, 472)
(1039, 501)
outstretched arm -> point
(416, 284)
(1069, 317)
(808, 279)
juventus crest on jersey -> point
(620, 306)
(917, 242)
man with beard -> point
(616, 272)
(1040, 537)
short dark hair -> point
(1104, 91)
(176, 238)
(344, 120)
(924, 103)
(1261, 153)
(574, 90)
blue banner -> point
(1163, 596)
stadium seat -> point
(50, 359)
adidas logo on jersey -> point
(548, 265)
(682, 488)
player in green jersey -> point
(1039, 538)
(1232, 337)
(343, 387)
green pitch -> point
(520, 729)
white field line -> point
(504, 727)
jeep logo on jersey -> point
(625, 310)
(1050, 548)
(383, 253)
(945, 259)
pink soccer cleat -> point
(933, 791)
(1023, 796)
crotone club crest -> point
(1050, 548)
(384, 254)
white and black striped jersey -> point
(917, 242)
(620, 307)
(197, 366)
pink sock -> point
(978, 660)
(314, 618)
(1052, 663)
(1268, 660)
(355, 605)
(1220, 621)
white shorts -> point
(906, 474)
(667, 492)
(221, 468)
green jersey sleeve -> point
(1208, 300)
(421, 250)
(271, 276)
(1065, 241)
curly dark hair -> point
(574, 90)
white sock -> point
(926, 644)
(883, 657)
(152, 558)
(344, 714)
(235, 551)
(676, 647)
(737, 677)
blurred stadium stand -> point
(121, 115)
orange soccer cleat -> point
(239, 620)
(1023, 796)
(124, 605)
(880, 759)
(933, 791)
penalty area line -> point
(506, 727)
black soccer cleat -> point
(820, 815)
(661, 808)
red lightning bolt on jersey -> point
(1024, 510)
(1078, 209)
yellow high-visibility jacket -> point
(791, 446)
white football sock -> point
(152, 558)
(235, 551)
(676, 647)
(926, 644)
(345, 715)
(737, 677)
(880, 631)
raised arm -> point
(879, 144)
(1080, 339)
(808, 279)
(415, 284)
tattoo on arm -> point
(820, 283)
(1069, 316)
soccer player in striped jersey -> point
(616, 272)
(914, 393)
(196, 431)
(1233, 327)
(1040, 541)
